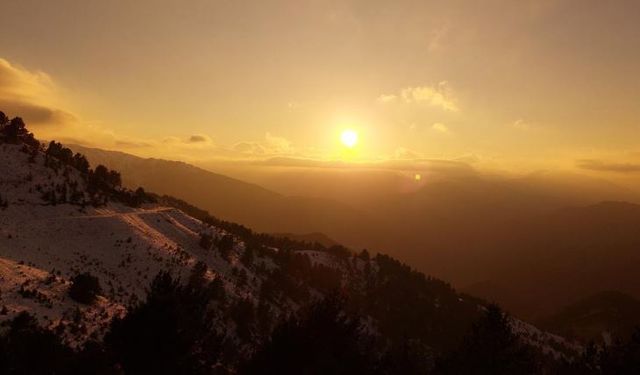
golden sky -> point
(515, 84)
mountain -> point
(509, 240)
(238, 201)
(132, 277)
(598, 317)
(450, 224)
(554, 260)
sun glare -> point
(349, 138)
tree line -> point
(174, 331)
(102, 183)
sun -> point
(349, 138)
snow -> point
(43, 246)
(556, 346)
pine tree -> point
(85, 288)
(490, 348)
(323, 340)
(170, 333)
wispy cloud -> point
(199, 138)
(398, 164)
(131, 144)
(440, 96)
(521, 124)
(386, 98)
(607, 166)
(440, 128)
(271, 145)
(437, 36)
(403, 153)
(30, 95)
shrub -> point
(85, 288)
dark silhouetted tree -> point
(197, 279)
(225, 245)
(27, 348)
(490, 348)
(85, 288)
(407, 357)
(324, 340)
(247, 256)
(81, 163)
(105, 179)
(14, 130)
(4, 120)
(364, 255)
(170, 333)
(206, 241)
(623, 357)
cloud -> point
(439, 96)
(35, 114)
(386, 98)
(18, 82)
(282, 161)
(606, 166)
(520, 124)
(419, 164)
(468, 158)
(30, 95)
(432, 165)
(132, 143)
(271, 146)
(403, 153)
(34, 96)
(199, 138)
(249, 148)
(437, 36)
(440, 128)
(278, 145)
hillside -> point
(451, 224)
(60, 219)
(239, 201)
(601, 317)
(548, 257)
(562, 257)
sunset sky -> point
(508, 84)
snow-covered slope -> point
(42, 246)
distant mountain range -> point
(238, 201)
(553, 260)
(505, 239)
(601, 317)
